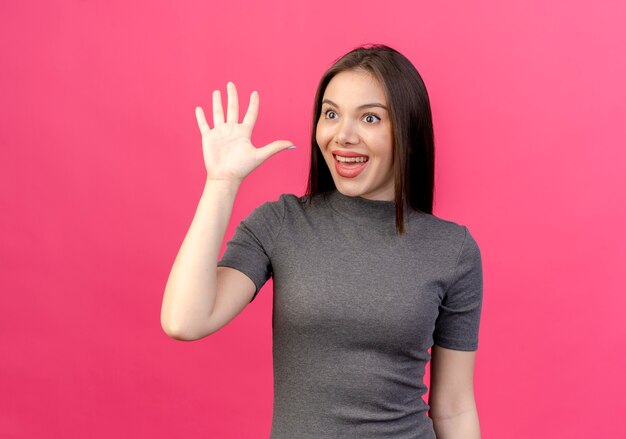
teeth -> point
(350, 159)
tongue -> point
(351, 165)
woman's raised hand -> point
(228, 151)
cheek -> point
(322, 136)
(382, 145)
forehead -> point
(355, 87)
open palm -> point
(228, 151)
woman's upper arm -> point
(451, 382)
(234, 291)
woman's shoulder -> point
(277, 207)
(284, 201)
(436, 227)
(289, 198)
(299, 202)
(438, 222)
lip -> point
(347, 153)
(351, 172)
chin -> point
(347, 193)
(348, 190)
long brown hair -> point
(413, 138)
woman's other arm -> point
(451, 398)
(200, 297)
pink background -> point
(101, 170)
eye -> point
(371, 118)
(330, 114)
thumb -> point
(274, 148)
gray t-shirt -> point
(356, 308)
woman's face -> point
(354, 134)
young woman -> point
(366, 279)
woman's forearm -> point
(191, 287)
(463, 425)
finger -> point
(274, 148)
(253, 109)
(232, 114)
(202, 123)
(218, 111)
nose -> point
(346, 133)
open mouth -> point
(350, 162)
(343, 159)
(350, 167)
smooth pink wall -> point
(101, 169)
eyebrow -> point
(360, 107)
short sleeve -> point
(458, 321)
(250, 249)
